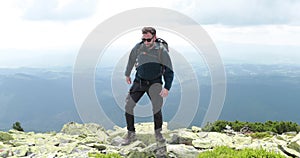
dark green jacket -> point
(151, 64)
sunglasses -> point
(147, 39)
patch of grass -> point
(291, 134)
(260, 135)
(226, 152)
(279, 138)
(100, 155)
(136, 154)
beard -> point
(149, 45)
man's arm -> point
(128, 79)
(130, 63)
(168, 72)
(168, 78)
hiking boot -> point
(159, 137)
(130, 137)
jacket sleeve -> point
(131, 60)
(168, 73)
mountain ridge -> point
(261, 93)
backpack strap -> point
(160, 50)
(160, 40)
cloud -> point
(273, 35)
(32, 29)
(242, 12)
(58, 10)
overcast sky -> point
(41, 33)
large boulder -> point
(296, 140)
(196, 129)
(295, 146)
(5, 137)
(144, 133)
(148, 128)
(85, 131)
(117, 131)
(203, 144)
(207, 140)
(136, 146)
(181, 150)
(289, 151)
(241, 141)
(270, 145)
(77, 140)
(183, 136)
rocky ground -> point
(77, 140)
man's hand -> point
(164, 92)
(128, 79)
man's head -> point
(149, 36)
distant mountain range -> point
(42, 99)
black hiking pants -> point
(137, 90)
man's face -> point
(148, 39)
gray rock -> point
(296, 138)
(117, 141)
(144, 133)
(67, 147)
(4, 152)
(288, 151)
(258, 144)
(295, 146)
(5, 137)
(91, 129)
(241, 140)
(196, 129)
(118, 131)
(229, 131)
(136, 146)
(77, 140)
(148, 128)
(20, 151)
(150, 148)
(181, 150)
(183, 137)
(202, 144)
(209, 140)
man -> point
(152, 63)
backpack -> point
(160, 40)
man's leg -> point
(129, 115)
(157, 102)
(135, 93)
(158, 121)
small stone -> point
(196, 129)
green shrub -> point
(17, 126)
(226, 152)
(100, 155)
(4, 137)
(269, 126)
